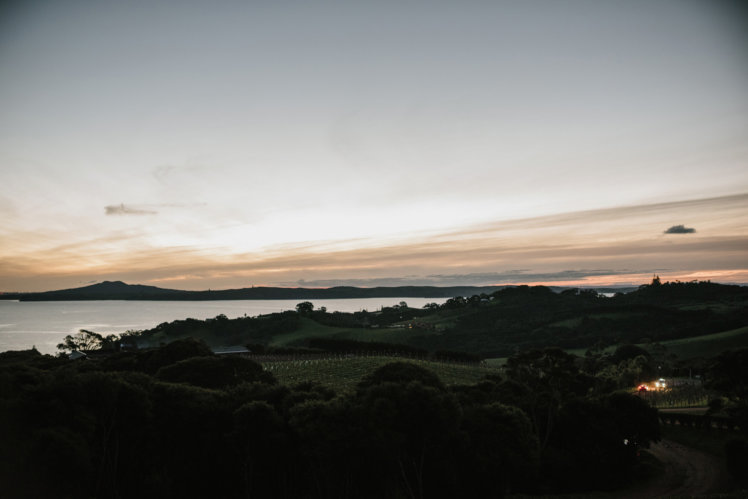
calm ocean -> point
(45, 324)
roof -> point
(75, 354)
(230, 350)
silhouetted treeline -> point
(178, 421)
(677, 293)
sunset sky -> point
(225, 144)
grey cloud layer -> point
(477, 279)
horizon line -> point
(513, 284)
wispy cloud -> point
(122, 209)
(146, 209)
(680, 229)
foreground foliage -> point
(178, 421)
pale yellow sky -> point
(599, 247)
(372, 143)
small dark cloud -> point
(122, 209)
(680, 229)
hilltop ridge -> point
(118, 290)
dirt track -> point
(688, 473)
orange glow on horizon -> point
(739, 276)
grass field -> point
(342, 374)
(686, 348)
(576, 321)
(308, 329)
(708, 345)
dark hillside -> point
(515, 319)
(678, 294)
(117, 290)
(107, 290)
(497, 325)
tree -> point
(502, 453)
(153, 360)
(401, 372)
(550, 377)
(329, 437)
(410, 433)
(456, 302)
(627, 352)
(214, 372)
(305, 307)
(110, 343)
(596, 441)
(261, 447)
(728, 374)
(83, 340)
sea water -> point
(43, 325)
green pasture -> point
(308, 329)
(576, 321)
(708, 345)
(686, 348)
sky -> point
(227, 144)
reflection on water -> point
(45, 324)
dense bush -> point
(210, 426)
(214, 372)
(736, 451)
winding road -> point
(688, 473)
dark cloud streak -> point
(148, 209)
(680, 229)
(121, 209)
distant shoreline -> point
(118, 290)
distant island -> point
(118, 290)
